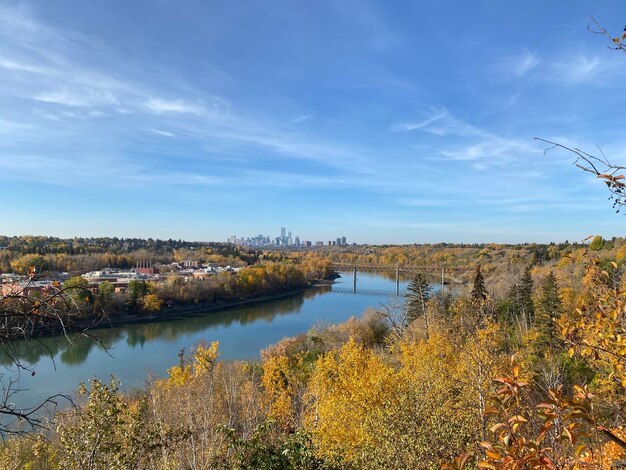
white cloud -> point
(579, 69)
(161, 106)
(23, 67)
(160, 132)
(436, 115)
(302, 118)
(77, 98)
(467, 142)
(525, 63)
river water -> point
(134, 351)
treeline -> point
(50, 254)
(529, 378)
(265, 279)
(144, 297)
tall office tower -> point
(297, 240)
(283, 232)
(338, 241)
(343, 241)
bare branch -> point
(617, 43)
(26, 312)
(612, 174)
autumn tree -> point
(77, 288)
(105, 292)
(417, 300)
(107, 432)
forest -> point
(521, 367)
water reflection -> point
(132, 351)
(74, 349)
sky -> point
(385, 122)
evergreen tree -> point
(417, 298)
(479, 291)
(525, 297)
(549, 308)
(511, 304)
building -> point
(145, 267)
(28, 287)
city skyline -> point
(389, 122)
(284, 239)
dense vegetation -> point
(51, 254)
(522, 368)
(264, 273)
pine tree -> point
(525, 297)
(479, 291)
(549, 308)
(417, 298)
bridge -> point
(401, 268)
(434, 270)
(372, 292)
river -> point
(134, 351)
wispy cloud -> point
(471, 142)
(571, 69)
(524, 63)
(580, 68)
(302, 118)
(162, 106)
(436, 115)
(86, 99)
(161, 132)
(23, 67)
(81, 111)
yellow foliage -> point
(349, 387)
(205, 358)
(179, 375)
(406, 411)
(280, 390)
(151, 303)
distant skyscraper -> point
(283, 232)
(343, 241)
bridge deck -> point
(380, 267)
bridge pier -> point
(397, 281)
(443, 282)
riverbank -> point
(173, 312)
(149, 346)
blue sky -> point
(386, 122)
